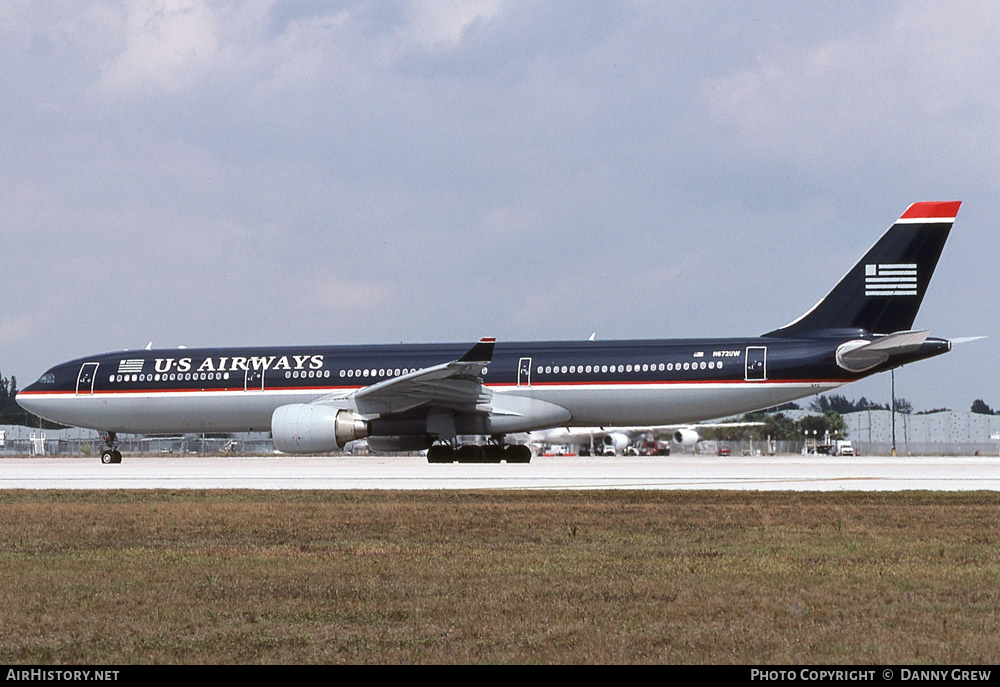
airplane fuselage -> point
(411, 396)
(633, 382)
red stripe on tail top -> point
(932, 210)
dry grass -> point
(498, 577)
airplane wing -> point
(455, 385)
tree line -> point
(779, 427)
(979, 406)
(8, 407)
(843, 405)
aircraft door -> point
(85, 380)
(524, 372)
(756, 370)
(254, 380)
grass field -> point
(499, 577)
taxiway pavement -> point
(795, 473)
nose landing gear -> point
(111, 454)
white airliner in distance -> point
(618, 439)
(407, 397)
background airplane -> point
(617, 440)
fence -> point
(32, 442)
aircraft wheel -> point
(108, 456)
(439, 454)
(116, 456)
(494, 453)
(517, 453)
(470, 454)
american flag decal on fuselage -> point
(891, 280)
(129, 366)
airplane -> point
(406, 397)
(618, 439)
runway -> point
(794, 473)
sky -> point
(306, 172)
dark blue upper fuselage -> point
(514, 363)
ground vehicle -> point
(724, 450)
(842, 447)
(654, 448)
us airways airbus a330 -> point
(460, 402)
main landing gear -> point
(473, 453)
(111, 454)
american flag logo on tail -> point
(891, 280)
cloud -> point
(249, 173)
(346, 297)
(19, 329)
(444, 23)
(907, 86)
(168, 46)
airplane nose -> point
(26, 401)
(36, 404)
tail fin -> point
(882, 293)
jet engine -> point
(306, 428)
(616, 439)
(686, 437)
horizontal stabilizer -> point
(861, 355)
(965, 339)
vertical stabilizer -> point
(883, 291)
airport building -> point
(943, 433)
(870, 432)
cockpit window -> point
(47, 378)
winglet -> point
(482, 352)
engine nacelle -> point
(617, 439)
(306, 428)
(686, 437)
